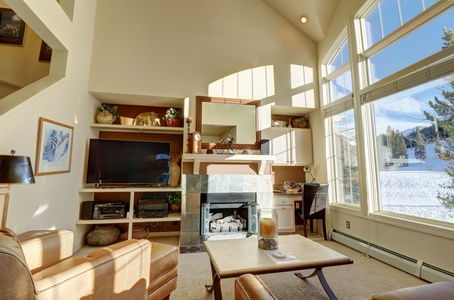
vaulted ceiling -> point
(318, 12)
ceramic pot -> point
(104, 117)
(103, 235)
(175, 207)
(174, 175)
(300, 124)
(173, 122)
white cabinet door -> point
(292, 146)
(302, 147)
(285, 218)
(280, 145)
(285, 213)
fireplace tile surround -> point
(193, 185)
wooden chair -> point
(314, 205)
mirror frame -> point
(198, 124)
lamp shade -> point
(16, 169)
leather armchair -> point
(41, 265)
(251, 287)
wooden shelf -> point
(173, 217)
(128, 189)
(105, 221)
(130, 219)
(142, 129)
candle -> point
(267, 228)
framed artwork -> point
(4, 196)
(54, 150)
(45, 53)
(12, 28)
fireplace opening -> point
(228, 215)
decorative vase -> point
(268, 231)
(174, 175)
(104, 117)
(173, 122)
(175, 207)
(103, 235)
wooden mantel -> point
(261, 160)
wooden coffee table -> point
(234, 257)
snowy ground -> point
(413, 189)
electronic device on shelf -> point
(123, 162)
(110, 210)
(152, 208)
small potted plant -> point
(174, 200)
(172, 117)
(301, 122)
(106, 114)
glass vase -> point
(268, 231)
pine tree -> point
(444, 115)
(448, 38)
(420, 147)
(398, 146)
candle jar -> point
(268, 235)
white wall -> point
(53, 202)
(431, 244)
(176, 48)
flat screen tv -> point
(120, 162)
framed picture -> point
(12, 28)
(4, 196)
(54, 150)
(45, 53)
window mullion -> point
(337, 72)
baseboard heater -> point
(405, 263)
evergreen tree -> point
(448, 38)
(398, 146)
(420, 147)
(444, 115)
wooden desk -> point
(232, 258)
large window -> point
(388, 15)
(337, 74)
(343, 157)
(341, 136)
(410, 150)
(407, 120)
(423, 42)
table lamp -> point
(13, 169)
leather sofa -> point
(41, 265)
(249, 287)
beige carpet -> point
(364, 278)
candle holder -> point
(268, 234)
(188, 128)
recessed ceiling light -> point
(304, 19)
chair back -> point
(314, 200)
(16, 281)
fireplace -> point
(228, 215)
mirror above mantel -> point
(217, 118)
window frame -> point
(370, 204)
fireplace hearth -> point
(228, 215)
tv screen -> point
(118, 162)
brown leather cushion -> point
(249, 286)
(435, 291)
(163, 266)
(15, 279)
